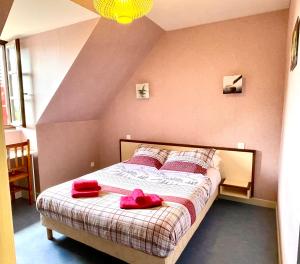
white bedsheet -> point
(155, 231)
(215, 177)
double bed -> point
(154, 235)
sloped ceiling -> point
(28, 17)
(176, 14)
(104, 65)
(86, 4)
(4, 11)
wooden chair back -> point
(19, 168)
(18, 157)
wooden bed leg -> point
(49, 234)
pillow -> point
(215, 162)
(149, 156)
(194, 161)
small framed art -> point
(232, 84)
(142, 91)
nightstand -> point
(236, 188)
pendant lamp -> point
(123, 11)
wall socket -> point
(241, 145)
(128, 136)
(92, 164)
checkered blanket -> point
(155, 231)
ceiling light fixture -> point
(123, 11)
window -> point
(3, 87)
(11, 84)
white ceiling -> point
(175, 14)
(28, 17)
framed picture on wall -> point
(295, 45)
(232, 84)
(142, 91)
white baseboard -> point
(18, 195)
(252, 201)
(23, 194)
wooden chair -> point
(19, 168)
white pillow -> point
(215, 162)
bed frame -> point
(134, 256)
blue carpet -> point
(231, 233)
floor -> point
(231, 233)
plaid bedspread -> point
(155, 231)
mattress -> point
(215, 177)
(155, 231)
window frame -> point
(20, 83)
(3, 43)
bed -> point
(156, 235)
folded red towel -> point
(83, 194)
(86, 185)
(128, 202)
(155, 199)
(138, 195)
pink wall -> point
(46, 59)
(185, 71)
(67, 140)
(13, 136)
(44, 65)
(106, 62)
(289, 181)
(66, 151)
(4, 11)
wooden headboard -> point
(236, 164)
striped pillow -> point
(149, 156)
(194, 161)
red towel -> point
(86, 185)
(138, 195)
(128, 202)
(83, 194)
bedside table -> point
(236, 188)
